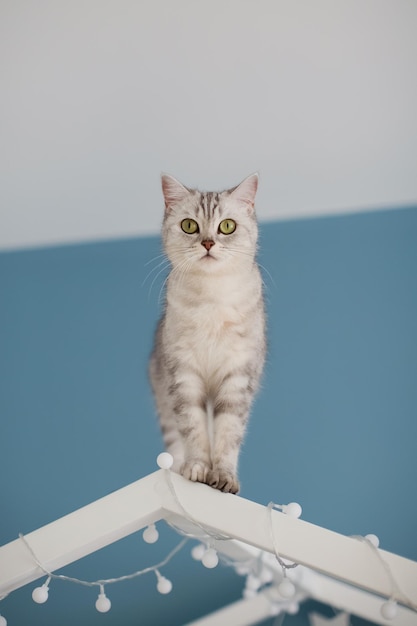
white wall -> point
(99, 96)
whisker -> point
(161, 290)
(155, 258)
(181, 268)
(175, 269)
(262, 267)
(271, 278)
(165, 262)
(239, 250)
(155, 278)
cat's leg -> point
(189, 408)
(173, 442)
(230, 415)
(172, 438)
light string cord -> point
(107, 581)
(188, 517)
(282, 563)
(396, 592)
(285, 566)
(164, 586)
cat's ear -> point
(174, 192)
(245, 192)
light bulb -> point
(275, 609)
(3, 621)
(103, 604)
(210, 558)
(286, 588)
(373, 539)
(252, 582)
(389, 609)
(165, 460)
(293, 509)
(164, 585)
(150, 534)
(266, 576)
(198, 551)
(292, 608)
(40, 594)
(248, 594)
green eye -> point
(227, 227)
(189, 226)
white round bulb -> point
(164, 585)
(103, 604)
(389, 609)
(292, 608)
(40, 594)
(3, 621)
(373, 539)
(150, 534)
(252, 582)
(165, 460)
(286, 588)
(266, 576)
(198, 551)
(210, 558)
(293, 509)
(275, 609)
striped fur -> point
(210, 343)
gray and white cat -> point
(210, 343)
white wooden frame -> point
(338, 570)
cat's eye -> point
(189, 226)
(227, 227)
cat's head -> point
(209, 231)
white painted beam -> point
(164, 495)
(325, 551)
(80, 533)
(352, 600)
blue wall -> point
(334, 426)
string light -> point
(266, 576)
(150, 534)
(292, 509)
(103, 604)
(373, 539)
(210, 558)
(292, 608)
(252, 582)
(40, 594)
(286, 588)
(389, 609)
(258, 575)
(198, 551)
(164, 585)
(165, 460)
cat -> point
(209, 347)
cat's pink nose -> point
(207, 243)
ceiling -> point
(99, 97)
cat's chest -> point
(214, 313)
(210, 319)
(214, 328)
(210, 336)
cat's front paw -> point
(223, 480)
(195, 470)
